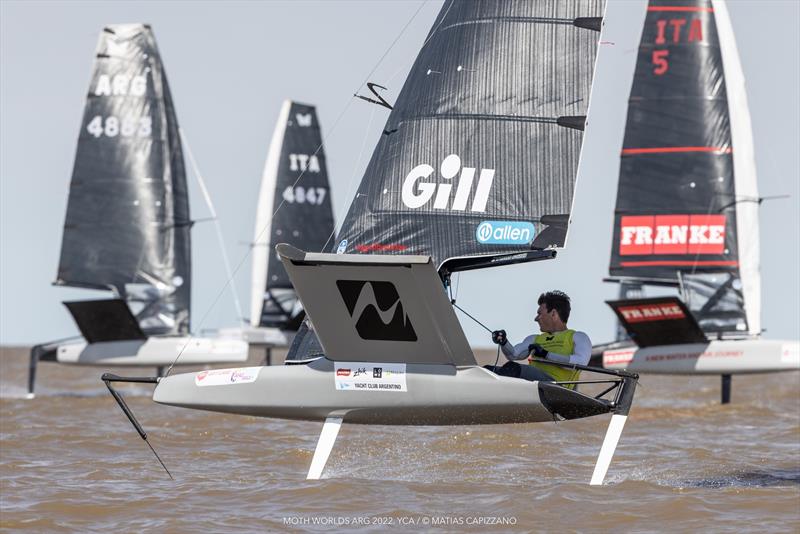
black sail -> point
(127, 227)
(294, 207)
(480, 153)
(676, 211)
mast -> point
(294, 207)
(127, 226)
(680, 199)
(744, 165)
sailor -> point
(556, 343)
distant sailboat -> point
(476, 167)
(687, 206)
(294, 206)
(127, 226)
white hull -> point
(422, 394)
(398, 394)
(712, 358)
(257, 335)
(154, 351)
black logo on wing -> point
(377, 309)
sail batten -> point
(484, 138)
(678, 215)
(128, 224)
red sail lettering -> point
(696, 30)
(661, 24)
(676, 24)
(660, 62)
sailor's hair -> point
(556, 300)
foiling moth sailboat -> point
(687, 207)
(294, 206)
(476, 168)
(127, 225)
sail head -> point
(127, 225)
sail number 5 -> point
(660, 62)
(127, 127)
(303, 195)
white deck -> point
(154, 351)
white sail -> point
(263, 228)
(744, 170)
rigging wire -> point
(325, 139)
(453, 302)
(470, 316)
(217, 224)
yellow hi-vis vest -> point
(560, 343)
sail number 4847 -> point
(304, 195)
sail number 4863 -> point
(304, 195)
(127, 127)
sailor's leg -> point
(529, 372)
(511, 369)
(326, 440)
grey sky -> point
(230, 65)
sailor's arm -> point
(517, 352)
(582, 351)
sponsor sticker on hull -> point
(226, 377)
(790, 353)
(360, 376)
(617, 357)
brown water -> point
(70, 461)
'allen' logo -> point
(377, 309)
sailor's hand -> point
(499, 337)
(536, 350)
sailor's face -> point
(545, 318)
